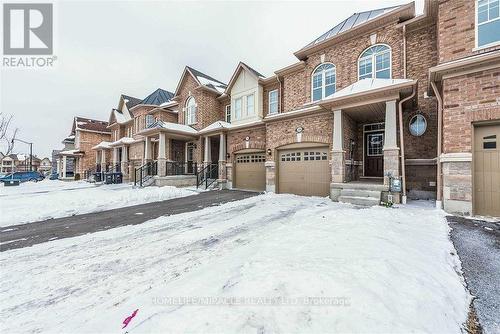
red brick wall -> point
(139, 114)
(236, 139)
(457, 32)
(265, 100)
(466, 99)
(209, 108)
(165, 116)
(86, 141)
(317, 128)
(297, 85)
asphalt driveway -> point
(24, 235)
(478, 245)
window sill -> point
(487, 46)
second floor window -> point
(250, 105)
(237, 108)
(149, 120)
(323, 81)
(375, 62)
(228, 114)
(488, 22)
(273, 102)
(190, 111)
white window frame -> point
(148, 120)
(323, 82)
(250, 97)
(227, 110)
(191, 111)
(373, 57)
(476, 28)
(277, 102)
(236, 110)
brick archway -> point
(322, 139)
(257, 145)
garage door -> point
(304, 171)
(487, 170)
(250, 171)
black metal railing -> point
(173, 168)
(145, 172)
(118, 167)
(207, 175)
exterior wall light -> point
(269, 151)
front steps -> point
(357, 193)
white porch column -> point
(58, 163)
(96, 157)
(222, 159)
(64, 162)
(391, 149)
(147, 149)
(103, 160)
(162, 156)
(208, 153)
(338, 148)
(124, 160)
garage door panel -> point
(304, 171)
(250, 171)
(487, 170)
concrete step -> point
(360, 185)
(363, 201)
(360, 193)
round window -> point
(418, 125)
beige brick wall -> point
(86, 141)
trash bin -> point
(109, 178)
(118, 178)
(97, 177)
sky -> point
(108, 48)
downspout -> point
(404, 51)
(280, 105)
(402, 144)
(439, 190)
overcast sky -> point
(108, 48)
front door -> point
(374, 155)
(190, 158)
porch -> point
(67, 165)
(366, 151)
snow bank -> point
(377, 270)
(31, 202)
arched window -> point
(375, 62)
(190, 111)
(323, 81)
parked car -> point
(22, 177)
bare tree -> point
(7, 134)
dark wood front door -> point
(374, 155)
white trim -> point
(226, 113)
(323, 81)
(476, 30)
(187, 113)
(374, 62)
(269, 102)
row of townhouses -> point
(384, 95)
(10, 163)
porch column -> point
(58, 164)
(222, 158)
(96, 157)
(147, 150)
(162, 156)
(207, 158)
(103, 161)
(338, 152)
(391, 149)
(124, 162)
(64, 166)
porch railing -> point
(173, 168)
(145, 172)
(207, 176)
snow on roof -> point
(174, 127)
(366, 85)
(169, 104)
(121, 117)
(212, 84)
(69, 152)
(102, 145)
(123, 141)
(216, 126)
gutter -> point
(440, 130)
(402, 144)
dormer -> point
(246, 93)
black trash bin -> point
(97, 177)
(118, 178)
(109, 178)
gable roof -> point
(81, 123)
(130, 101)
(201, 79)
(242, 66)
(158, 97)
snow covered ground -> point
(32, 202)
(285, 264)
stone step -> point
(360, 185)
(360, 193)
(363, 201)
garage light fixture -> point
(269, 151)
